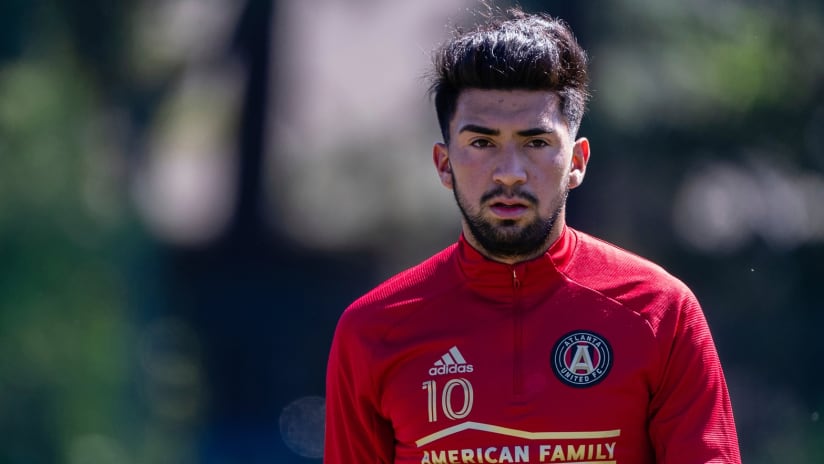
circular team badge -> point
(581, 358)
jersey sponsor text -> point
(601, 453)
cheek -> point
(562, 162)
(468, 176)
(554, 174)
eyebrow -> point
(488, 131)
(479, 129)
(535, 131)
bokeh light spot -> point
(302, 426)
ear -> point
(580, 158)
(440, 156)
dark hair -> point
(517, 51)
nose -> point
(510, 169)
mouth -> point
(508, 208)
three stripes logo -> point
(452, 362)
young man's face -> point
(510, 163)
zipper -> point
(516, 284)
(517, 361)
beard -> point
(504, 239)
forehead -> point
(495, 108)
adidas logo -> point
(452, 362)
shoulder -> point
(620, 275)
(397, 296)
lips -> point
(508, 208)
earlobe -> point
(440, 156)
(580, 158)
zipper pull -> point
(515, 282)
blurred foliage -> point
(92, 370)
(63, 335)
(700, 64)
(67, 337)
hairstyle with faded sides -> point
(512, 51)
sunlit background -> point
(191, 191)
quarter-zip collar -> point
(497, 280)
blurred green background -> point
(191, 191)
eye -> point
(481, 143)
(537, 143)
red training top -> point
(587, 353)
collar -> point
(498, 280)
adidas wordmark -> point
(452, 362)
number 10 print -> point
(447, 404)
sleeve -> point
(355, 431)
(691, 419)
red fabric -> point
(498, 332)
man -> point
(526, 341)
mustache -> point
(501, 191)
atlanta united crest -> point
(581, 359)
